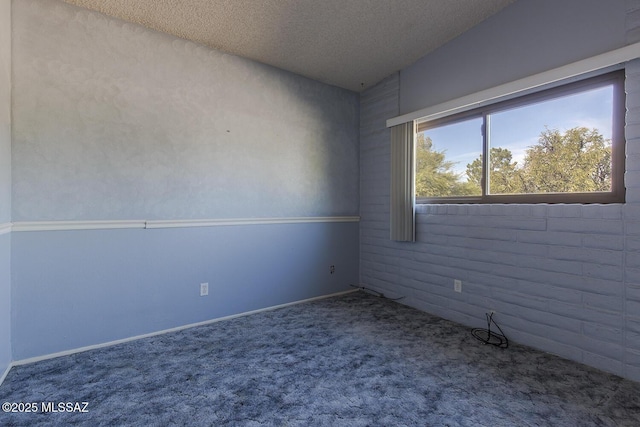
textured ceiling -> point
(348, 43)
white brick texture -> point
(561, 278)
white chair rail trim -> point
(143, 224)
(5, 227)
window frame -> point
(617, 193)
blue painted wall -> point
(79, 288)
(5, 302)
(5, 184)
(562, 278)
(525, 38)
(112, 121)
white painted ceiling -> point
(347, 43)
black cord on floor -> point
(488, 337)
(376, 293)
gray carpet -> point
(353, 360)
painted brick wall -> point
(377, 104)
(631, 335)
(562, 278)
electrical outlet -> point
(332, 269)
(457, 285)
(204, 289)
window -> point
(561, 145)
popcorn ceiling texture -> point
(343, 43)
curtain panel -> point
(402, 189)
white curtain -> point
(402, 188)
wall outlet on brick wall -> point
(457, 285)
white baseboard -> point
(6, 372)
(166, 331)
